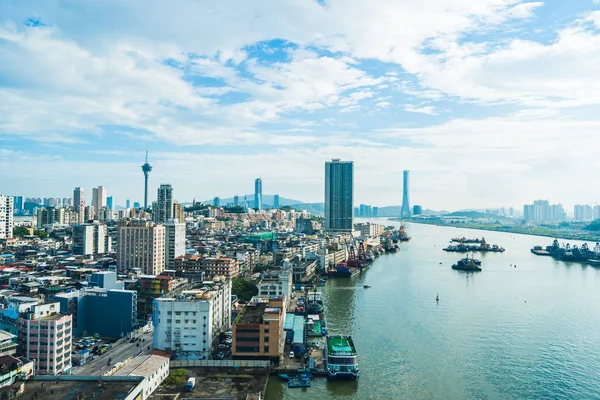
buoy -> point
(437, 297)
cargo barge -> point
(482, 247)
(467, 264)
(340, 358)
(570, 253)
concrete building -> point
(6, 217)
(583, 212)
(50, 216)
(18, 204)
(8, 345)
(88, 307)
(258, 194)
(258, 330)
(339, 195)
(141, 244)
(99, 198)
(153, 368)
(178, 212)
(217, 201)
(91, 239)
(220, 266)
(89, 213)
(164, 204)
(190, 322)
(45, 336)
(109, 202)
(276, 283)
(405, 210)
(79, 198)
(370, 230)
(150, 287)
(417, 210)
(174, 242)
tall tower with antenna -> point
(146, 168)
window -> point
(266, 349)
(177, 312)
(266, 339)
(177, 321)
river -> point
(525, 332)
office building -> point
(127, 203)
(91, 239)
(583, 212)
(141, 244)
(164, 204)
(99, 198)
(88, 307)
(275, 201)
(417, 210)
(236, 201)
(178, 212)
(18, 204)
(258, 195)
(109, 202)
(79, 197)
(190, 322)
(146, 168)
(217, 201)
(405, 211)
(258, 330)
(174, 242)
(136, 204)
(6, 217)
(45, 336)
(339, 195)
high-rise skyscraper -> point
(258, 194)
(127, 203)
(164, 204)
(79, 197)
(276, 201)
(109, 202)
(6, 217)
(141, 244)
(99, 198)
(339, 195)
(217, 201)
(236, 201)
(405, 211)
(18, 204)
(146, 168)
(174, 242)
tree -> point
(243, 289)
(41, 234)
(20, 231)
(176, 377)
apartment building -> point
(141, 244)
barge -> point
(340, 358)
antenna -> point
(146, 155)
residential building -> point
(91, 239)
(417, 210)
(370, 230)
(596, 212)
(543, 211)
(89, 213)
(45, 336)
(276, 283)
(583, 212)
(339, 195)
(141, 244)
(17, 305)
(236, 201)
(258, 194)
(162, 211)
(14, 370)
(217, 201)
(6, 217)
(99, 197)
(178, 212)
(88, 307)
(18, 204)
(304, 225)
(174, 242)
(150, 287)
(190, 322)
(50, 216)
(258, 330)
(8, 345)
(220, 266)
(405, 210)
(127, 203)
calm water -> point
(530, 332)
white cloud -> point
(420, 109)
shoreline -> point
(556, 235)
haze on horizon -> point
(489, 103)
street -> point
(117, 354)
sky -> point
(489, 103)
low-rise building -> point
(189, 322)
(221, 266)
(153, 368)
(258, 330)
(276, 283)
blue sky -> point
(489, 103)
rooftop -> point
(252, 314)
(340, 345)
(142, 366)
(108, 388)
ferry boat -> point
(314, 302)
(340, 358)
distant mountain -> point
(267, 201)
(474, 214)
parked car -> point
(291, 355)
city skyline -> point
(469, 89)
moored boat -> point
(467, 264)
(340, 358)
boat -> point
(343, 271)
(367, 286)
(324, 331)
(482, 247)
(340, 358)
(299, 382)
(594, 261)
(539, 251)
(284, 377)
(402, 236)
(314, 302)
(467, 264)
(465, 240)
(569, 253)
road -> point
(100, 364)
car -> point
(291, 355)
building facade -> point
(258, 194)
(405, 211)
(45, 336)
(79, 197)
(174, 242)
(339, 195)
(164, 204)
(190, 322)
(141, 244)
(90, 239)
(99, 198)
(6, 217)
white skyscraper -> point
(174, 242)
(99, 198)
(6, 216)
(339, 195)
(90, 239)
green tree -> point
(176, 377)
(243, 289)
(41, 234)
(20, 231)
